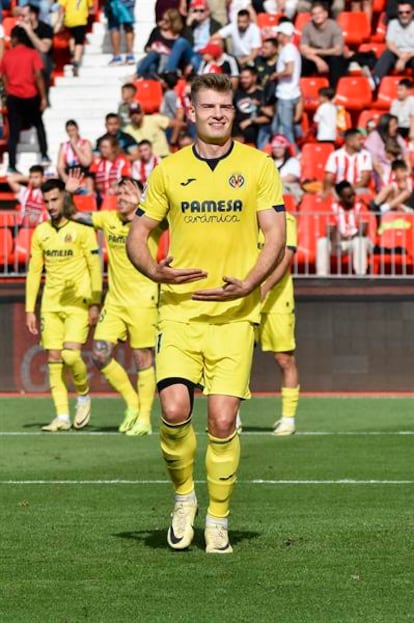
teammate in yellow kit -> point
(215, 195)
(130, 309)
(70, 301)
(277, 329)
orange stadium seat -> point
(85, 203)
(267, 22)
(395, 251)
(378, 6)
(366, 115)
(314, 157)
(6, 246)
(355, 26)
(379, 29)
(291, 204)
(149, 94)
(353, 92)
(312, 223)
(378, 48)
(8, 218)
(301, 20)
(22, 245)
(387, 91)
(310, 87)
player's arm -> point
(278, 272)
(91, 250)
(33, 278)
(140, 256)
(273, 225)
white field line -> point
(342, 481)
(244, 434)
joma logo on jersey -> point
(236, 180)
(212, 206)
(59, 253)
(117, 239)
(68, 238)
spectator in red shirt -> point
(347, 232)
(21, 69)
(108, 168)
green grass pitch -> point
(322, 523)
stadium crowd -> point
(324, 88)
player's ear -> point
(191, 112)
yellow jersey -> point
(280, 299)
(76, 12)
(126, 286)
(70, 256)
(211, 207)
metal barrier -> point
(383, 247)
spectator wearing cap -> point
(215, 60)
(245, 37)
(248, 100)
(287, 165)
(126, 142)
(322, 46)
(149, 127)
(287, 76)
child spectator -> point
(325, 116)
(398, 194)
(403, 108)
(73, 14)
(392, 153)
(32, 209)
(128, 93)
(287, 165)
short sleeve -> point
(269, 187)
(154, 201)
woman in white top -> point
(76, 152)
(287, 165)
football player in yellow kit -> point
(129, 311)
(215, 195)
(70, 303)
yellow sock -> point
(118, 378)
(290, 399)
(222, 461)
(58, 387)
(74, 361)
(146, 392)
(178, 445)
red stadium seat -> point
(314, 157)
(267, 22)
(301, 20)
(310, 87)
(354, 93)
(377, 48)
(109, 203)
(6, 246)
(149, 94)
(366, 115)
(85, 203)
(22, 245)
(312, 222)
(291, 204)
(355, 26)
(395, 251)
(8, 218)
(387, 91)
(378, 6)
(379, 29)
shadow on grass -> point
(157, 539)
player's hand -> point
(131, 192)
(232, 289)
(93, 315)
(31, 323)
(164, 273)
(74, 181)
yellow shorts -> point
(277, 332)
(117, 324)
(218, 357)
(56, 328)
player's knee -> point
(101, 354)
(285, 360)
(143, 358)
(71, 357)
(221, 425)
(175, 412)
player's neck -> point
(210, 150)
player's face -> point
(54, 201)
(125, 207)
(35, 180)
(213, 114)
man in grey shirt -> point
(322, 46)
(400, 44)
